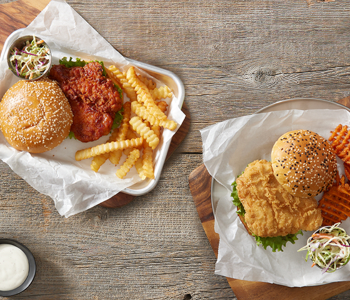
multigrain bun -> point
(35, 116)
(303, 163)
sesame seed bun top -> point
(35, 116)
(303, 163)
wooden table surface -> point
(234, 57)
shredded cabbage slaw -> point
(32, 60)
(328, 248)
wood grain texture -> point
(18, 15)
(234, 58)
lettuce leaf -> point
(118, 119)
(120, 91)
(71, 135)
(236, 201)
(80, 63)
(70, 63)
(276, 243)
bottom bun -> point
(35, 116)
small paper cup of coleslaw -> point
(29, 58)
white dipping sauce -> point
(14, 267)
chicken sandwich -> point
(275, 200)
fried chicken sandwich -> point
(275, 200)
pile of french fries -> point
(139, 134)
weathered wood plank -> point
(234, 58)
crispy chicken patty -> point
(93, 98)
(270, 209)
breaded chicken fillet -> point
(269, 209)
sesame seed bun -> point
(303, 163)
(35, 116)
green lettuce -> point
(236, 201)
(120, 91)
(118, 119)
(70, 63)
(71, 135)
(276, 243)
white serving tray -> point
(166, 77)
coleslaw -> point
(328, 248)
(32, 60)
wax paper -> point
(228, 147)
(72, 185)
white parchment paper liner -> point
(227, 149)
(72, 185)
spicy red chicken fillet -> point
(93, 98)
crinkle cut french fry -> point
(127, 151)
(144, 113)
(139, 168)
(143, 94)
(147, 157)
(131, 134)
(147, 115)
(147, 162)
(115, 156)
(145, 132)
(98, 161)
(125, 123)
(148, 82)
(163, 106)
(149, 103)
(123, 82)
(106, 148)
(147, 168)
(168, 124)
(127, 165)
(138, 163)
(161, 93)
(156, 130)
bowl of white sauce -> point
(17, 267)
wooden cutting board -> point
(200, 185)
(19, 14)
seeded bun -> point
(303, 163)
(35, 116)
